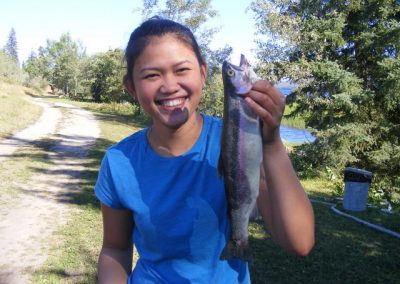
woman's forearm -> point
(287, 211)
(114, 265)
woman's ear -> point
(203, 70)
(129, 86)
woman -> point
(159, 187)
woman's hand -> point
(269, 104)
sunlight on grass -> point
(74, 260)
(16, 112)
(318, 187)
(25, 163)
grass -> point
(16, 112)
(24, 164)
(345, 251)
(294, 122)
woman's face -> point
(168, 81)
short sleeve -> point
(105, 187)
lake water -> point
(294, 135)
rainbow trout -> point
(241, 155)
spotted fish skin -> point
(240, 157)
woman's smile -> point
(172, 103)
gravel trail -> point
(28, 221)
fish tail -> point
(236, 249)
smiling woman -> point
(160, 186)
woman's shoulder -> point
(130, 142)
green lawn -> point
(345, 251)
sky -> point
(103, 24)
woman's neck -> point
(175, 142)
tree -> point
(193, 14)
(59, 63)
(30, 65)
(9, 69)
(64, 62)
(39, 65)
(9, 63)
(11, 47)
(104, 73)
(344, 56)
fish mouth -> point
(238, 77)
(227, 65)
(244, 64)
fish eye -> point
(230, 72)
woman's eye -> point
(150, 76)
(182, 70)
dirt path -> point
(26, 223)
(44, 126)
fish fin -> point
(236, 249)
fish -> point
(240, 157)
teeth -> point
(172, 103)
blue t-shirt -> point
(179, 209)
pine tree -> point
(344, 56)
(11, 47)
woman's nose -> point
(170, 84)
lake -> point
(294, 135)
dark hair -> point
(157, 27)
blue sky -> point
(104, 24)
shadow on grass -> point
(62, 274)
(48, 95)
(103, 112)
(345, 252)
(130, 119)
(70, 167)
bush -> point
(35, 83)
(317, 160)
(9, 70)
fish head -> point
(239, 78)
